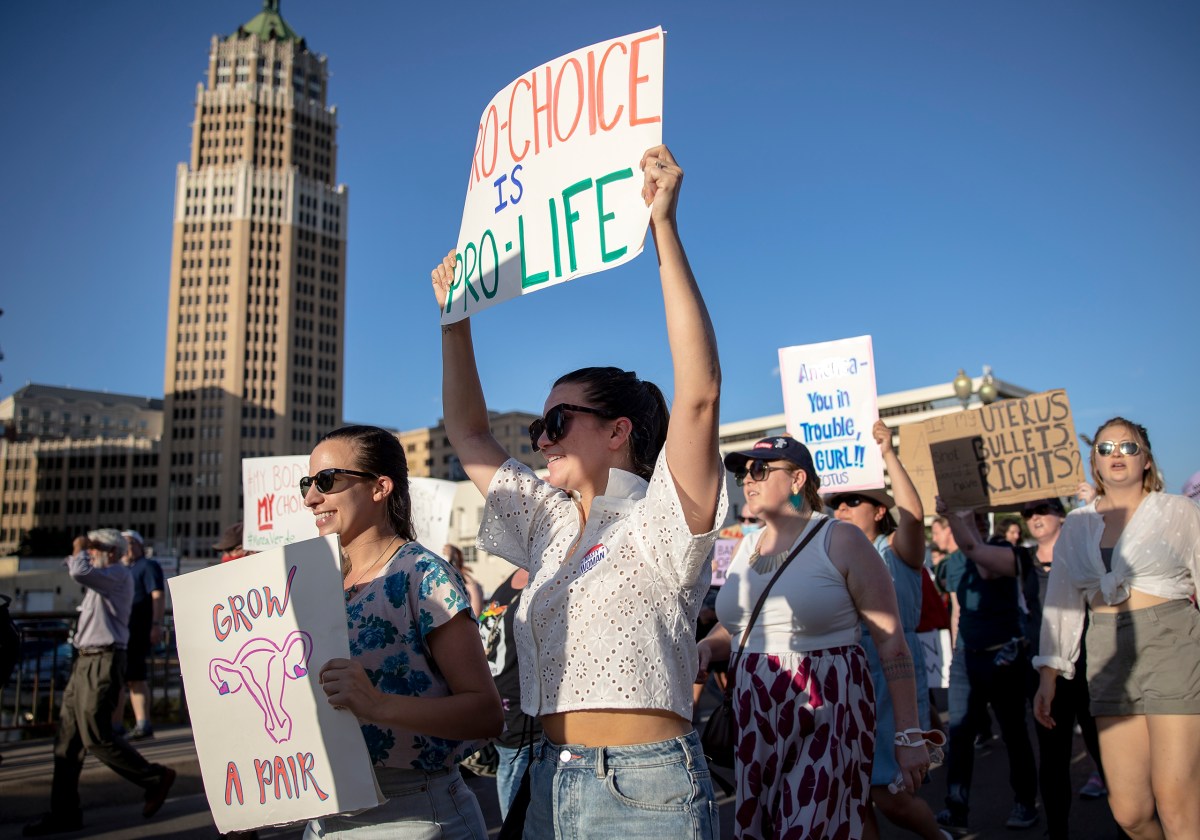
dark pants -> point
(1055, 747)
(976, 681)
(85, 725)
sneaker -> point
(1022, 816)
(952, 822)
(157, 795)
(53, 824)
(1094, 788)
(139, 733)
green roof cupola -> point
(269, 25)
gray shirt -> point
(104, 617)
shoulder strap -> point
(762, 599)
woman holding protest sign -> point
(617, 542)
(417, 679)
(902, 547)
(1129, 562)
(803, 696)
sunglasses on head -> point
(554, 424)
(758, 470)
(325, 478)
(1127, 447)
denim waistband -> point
(1146, 614)
(397, 780)
(576, 757)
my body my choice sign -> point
(554, 190)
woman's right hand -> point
(443, 276)
(1043, 701)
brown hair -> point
(1151, 481)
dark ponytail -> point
(619, 393)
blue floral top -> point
(389, 620)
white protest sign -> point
(830, 401)
(253, 634)
(273, 509)
(554, 190)
(432, 501)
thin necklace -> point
(373, 565)
(766, 563)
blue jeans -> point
(422, 806)
(637, 792)
(513, 761)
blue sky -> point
(1005, 183)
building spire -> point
(268, 25)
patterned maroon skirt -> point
(803, 764)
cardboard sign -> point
(275, 514)
(830, 401)
(253, 635)
(1001, 455)
(554, 188)
(273, 509)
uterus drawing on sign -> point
(263, 668)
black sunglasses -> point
(554, 424)
(1127, 447)
(1040, 510)
(325, 478)
(758, 470)
(849, 501)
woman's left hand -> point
(914, 764)
(662, 179)
(347, 686)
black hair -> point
(619, 393)
(379, 451)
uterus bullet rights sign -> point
(554, 187)
(831, 403)
(252, 637)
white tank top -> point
(809, 607)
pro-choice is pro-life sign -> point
(554, 188)
(831, 403)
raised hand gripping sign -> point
(554, 190)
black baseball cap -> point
(775, 449)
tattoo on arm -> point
(899, 668)
(447, 328)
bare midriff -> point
(1137, 600)
(614, 728)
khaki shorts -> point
(1145, 662)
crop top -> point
(1158, 553)
(809, 607)
(608, 618)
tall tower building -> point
(258, 277)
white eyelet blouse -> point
(1158, 553)
(612, 625)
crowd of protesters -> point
(581, 667)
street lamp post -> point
(964, 387)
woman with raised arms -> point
(617, 542)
